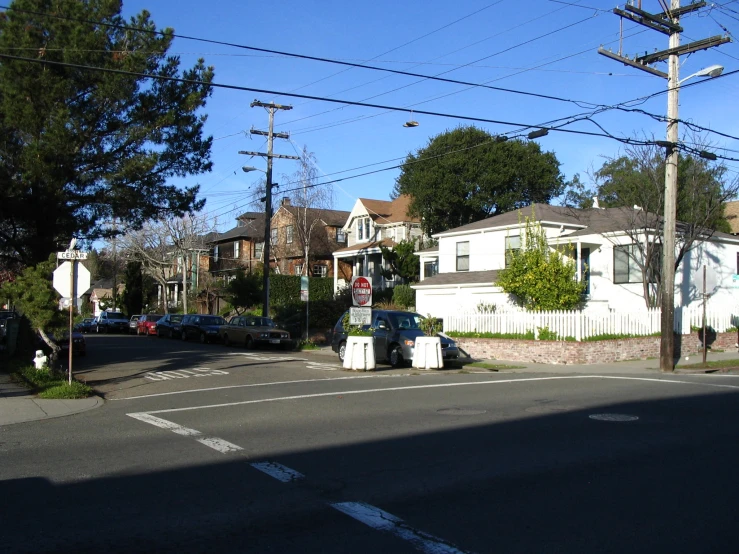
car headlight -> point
(264, 335)
(285, 335)
(409, 342)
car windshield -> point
(176, 318)
(406, 320)
(259, 322)
(212, 320)
(116, 315)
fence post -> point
(578, 326)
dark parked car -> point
(85, 326)
(169, 326)
(147, 324)
(395, 333)
(111, 322)
(79, 345)
(201, 326)
(133, 324)
(254, 331)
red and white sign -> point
(361, 291)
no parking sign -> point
(361, 291)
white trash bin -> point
(427, 353)
(360, 353)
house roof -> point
(335, 218)
(388, 243)
(461, 278)
(253, 227)
(430, 250)
(389, 211)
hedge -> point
(285, 289)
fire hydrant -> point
(40, 361)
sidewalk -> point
(18, 405)
(643, 367)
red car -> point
(147, 324)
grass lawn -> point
(715, 364)
(51, 385)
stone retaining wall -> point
(596, 352)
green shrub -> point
(430, 326)
(404, 295)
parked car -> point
(169, 326)
(204, 327)
(111, 322)
(79, 345)
(254, 331)
(85, 326)
(147, 324)
(133, 324)
(4, 317)
(395, 334)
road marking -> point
(253, 385)
(215, 443)
(183, 373)
(613, 417)
(265, 358)
(324, 366)
(440, 385)
(383, 521)
(278, 471)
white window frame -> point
(323, 270)
(215, 253)
(289, 234)
(237, 250)
(464, 255)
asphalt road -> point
(206, 448)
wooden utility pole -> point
(668, 23)
(271, 107)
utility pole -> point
(271, 108)
(668, 23)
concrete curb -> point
(23, 410)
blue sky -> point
(538, 46)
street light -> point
(248, 168)
(710, 71)
(667, 301)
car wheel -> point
(203, 338)
(249, 342)
(184, 335)
(396, 356)
(226, 340)
(342, 351)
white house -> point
(468, 259)
(373, 223)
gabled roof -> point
(389, 211)
(252, 228)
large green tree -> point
(466, 175)
(401, 261)
(82, 146)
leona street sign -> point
(361, 291)
(63, 279)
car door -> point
(380, 335)
(236, 330)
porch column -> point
(579, 262)
(336, 274)
(365, 267)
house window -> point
(430, 269)
(463, 256)
(273, 236)
(237, 250)
(298, 269)
(360, 229)
(258, 248)
(289, 234)
(512, 244)
(367, 228)
(340, 236)
(320, 270)
(625, 268)
(215, 253)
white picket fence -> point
(582, 325)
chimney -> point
(285, 201)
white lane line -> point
(278, 471)
(383, 521)
(440, 385)
(213, 442)
(253, 385)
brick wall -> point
(596, 352)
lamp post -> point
(667, 300)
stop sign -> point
(361, 291)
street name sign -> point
(71, 255)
